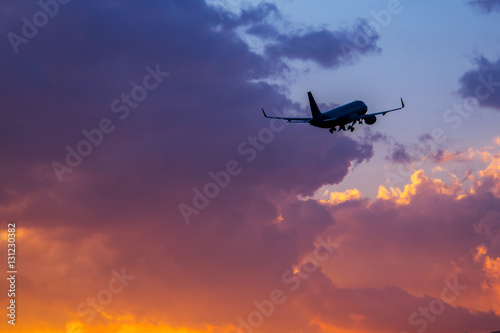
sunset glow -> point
(144, 191)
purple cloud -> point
(482, 83)
(327, 48)
(486, 6)
(399, 154)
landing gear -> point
(342, 128)
(351, 127)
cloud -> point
(418, 178)
(425, 148)
(486, 6)
(119, 207)
(491, 172)
(489, 227)
(255, 17)
(399, 154)
(387, 309)
(327, 48)
(482, 83)
(73, 89)
(334, 198)
(444, 156)
(369, 284)
(489, 176)
(491, 272)
(428, 211)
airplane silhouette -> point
(349, 113)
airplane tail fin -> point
(314, 107)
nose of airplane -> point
(364, 107)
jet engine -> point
(370, 120)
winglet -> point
(264, 112)
(402, 103)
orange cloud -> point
(447, 156)
(336, 198)
(492, 171)
(329, 328)
(402, 197)
(480, 252)
(491, 270)
(129, 325)
(376, 237)
(418, 178)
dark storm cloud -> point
(91, 53)
(66, 79)
(482, 83)
(327, 48)
(253, 16)
(486, 6)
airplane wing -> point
(290, 120)
(383, 112)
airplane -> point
(350, 113)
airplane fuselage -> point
(341, 115)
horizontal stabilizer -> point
(289, 119)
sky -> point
(149, 194)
